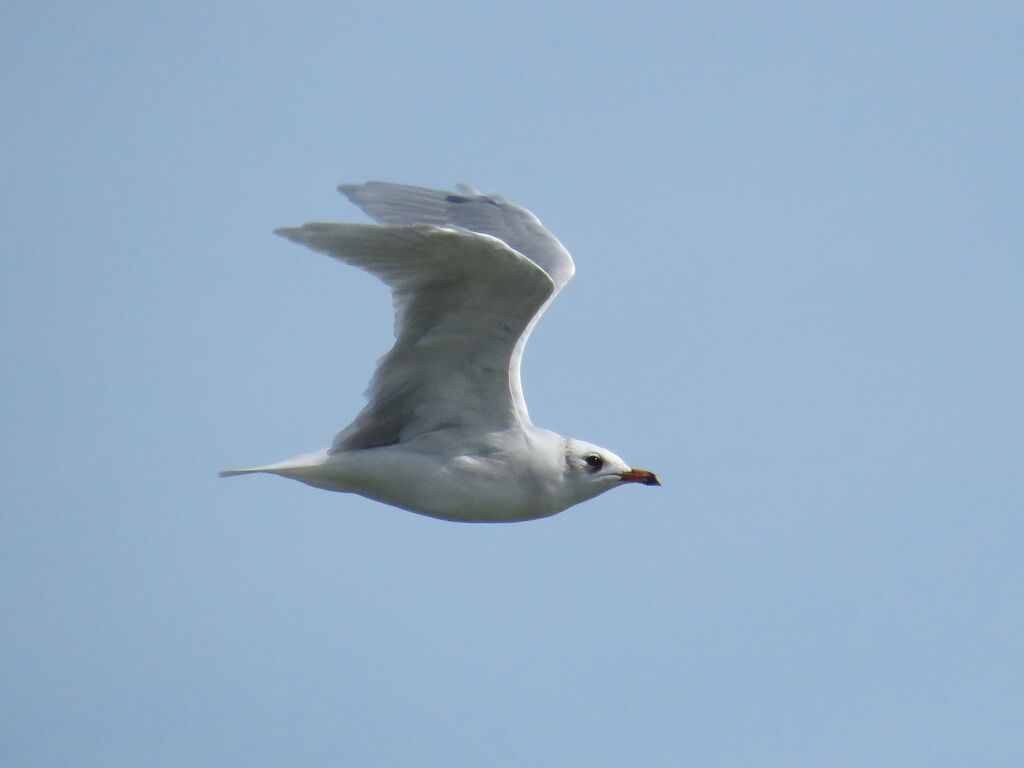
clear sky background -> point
(798, 235)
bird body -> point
(505, 476)
(446, 432)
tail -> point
(288, 468)
(233, 472)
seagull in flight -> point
(446, 432)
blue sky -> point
(798, 239)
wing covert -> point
(463, 301)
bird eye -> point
(593, 461)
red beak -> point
(640, 476)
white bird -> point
(446, 432)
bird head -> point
(592, 470)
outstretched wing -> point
(463, 300)
(477, 212)
(468, 209)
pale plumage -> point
(446, 431)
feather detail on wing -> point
(463, 302)
(493, 215)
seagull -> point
(446, 432)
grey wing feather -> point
(492, 215)
(463, 302)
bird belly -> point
(457, 488)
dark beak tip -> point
(641, 476)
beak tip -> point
(641, 476)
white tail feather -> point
(233, 472)
(286, 468)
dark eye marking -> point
(593, 461)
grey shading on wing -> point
(468, 209)
(390, 203)
(462, 302)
